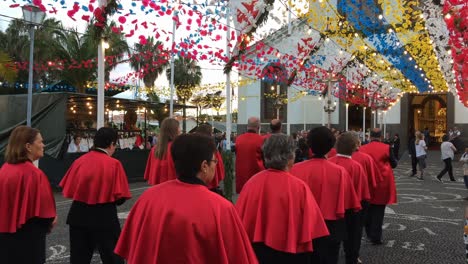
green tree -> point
(151, 59)
(187, 75)
(6, 73)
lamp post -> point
(347, 108)
(33, 16)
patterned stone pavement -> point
(426, 226)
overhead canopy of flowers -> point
(374, 49)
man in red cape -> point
(97, 183)
(346, 144)
(275, 127)
(333, 190)
(249, 157)
(281, 232)
(385, 191)
(182, 221)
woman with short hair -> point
(182, 221)
(160, 166)
(280, 231)
(27, 205)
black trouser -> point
(327, 249)
(83, 241)
(447, 168)
(354, 226)
(374, 222)
(27, 245)
(414, 163)
(267, 255)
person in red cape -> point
(275, 127)
(97, 183)
(346, 144)
(385, 191)
(280, 232)
(160, 166)
(27, 204)
(333, 190)
(207, 130)
(182, 221)
(249, 158)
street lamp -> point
(33, 15)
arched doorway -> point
(429, 113)
(274, 93)
(355, 117)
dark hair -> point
(275, 125)
(346, 144)
(205, 129)
(376, 133)
(320, 141)
(445, 137)
(76, 136)
(104, 137)
(189, 151)
(278, 149)
(16, 149)
(168, 132)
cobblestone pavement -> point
(426, 226)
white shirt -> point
(446, 150)
(420, 148)
(72, 148)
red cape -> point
(368, 165)
(331, 153)
(177, 222)
(249, 159)
(385, 191)
(219, 173)
(277, 209)
(331, 186)
(95, 178)
(25, 193)
(158, 171)
(359, 178)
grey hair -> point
(355, 135)
(278, 149)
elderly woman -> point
(27, 205)
(280, 231)
(160, 166)
(182, 221)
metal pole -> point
(385, 122)
(30, 78)
(228, 83)
(304, 110)
(347, 107)
(100, 91)
(278, 87)
(323, 112)
(364, 124)
(329, 104)
(171, 104)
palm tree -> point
(187, 75)
(6, 73)
(151, 59)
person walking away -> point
(97, 183)
(249, 156)
(346, 144)
(322, 177)
(447, 151)
(385, 191)
(412, 153)
(159, 166)
(421, 154)
(181, 221)
(27, 205)
(464, 161)
(396, 146)
(280, 232)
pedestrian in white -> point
(447, 150)
(421, 153)
(464, 160)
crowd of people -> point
(300, 197)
